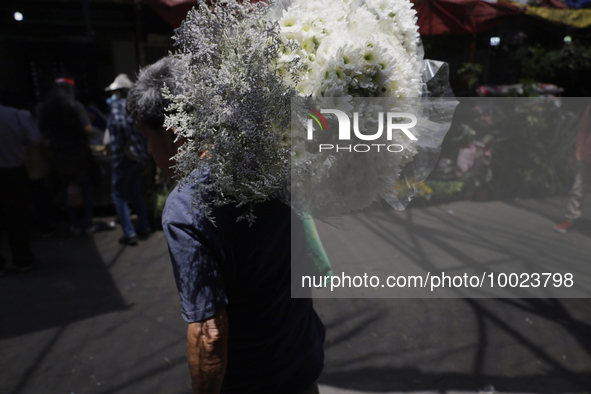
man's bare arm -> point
(207, 344)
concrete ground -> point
(97, 317)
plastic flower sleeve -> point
(335, 173)
(435, 75)
(432, 128)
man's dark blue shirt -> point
(275, 342)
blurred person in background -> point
(65, 122)
(130, 155)
(17, 130)
(582, 182)
(99, 123)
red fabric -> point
(65, 80)
(461, 16)
(435, 16)
(175, 11)
(172, 11)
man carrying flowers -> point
(245, 334)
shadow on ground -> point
(526, 345)
(539, 345)
(70, 282)
(93, 317)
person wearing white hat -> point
(129, 154)
(122, 81)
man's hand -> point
(207, 353)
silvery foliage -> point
(234, 113)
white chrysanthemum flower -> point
(383, 30)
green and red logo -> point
(315, 115)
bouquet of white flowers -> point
(246, 63)
(353, 48)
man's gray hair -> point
(145, 103)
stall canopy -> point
(461, 16)
(172, 11)
(435, 16)
(571, 17)
(175, 11)
(440, 16)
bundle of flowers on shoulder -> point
(244, 64)
(235, 105)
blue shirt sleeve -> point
(192, 246)
(31, 131)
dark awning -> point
(435, 16)
(461, 16)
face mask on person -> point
(112, 99)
